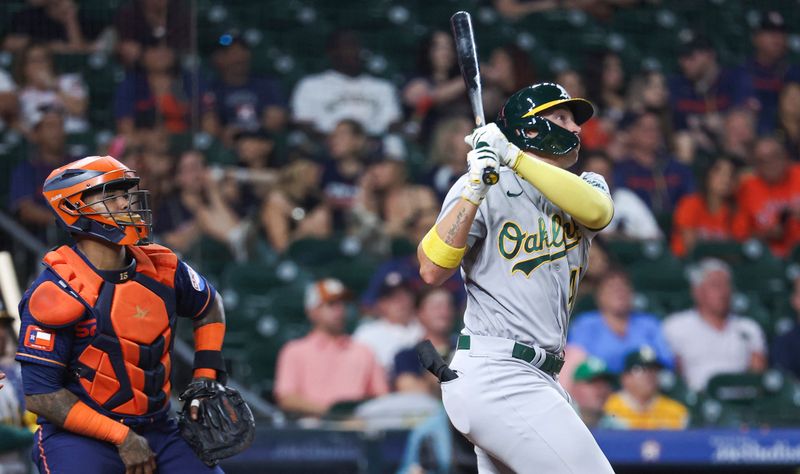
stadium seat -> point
(627, 252)
(663, 274)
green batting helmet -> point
(521, 112)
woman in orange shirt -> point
(707, 214)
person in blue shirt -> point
(615, 329)
(243, 101)
(97, 327)
(648, 170)
(704, 89)
(768, 70)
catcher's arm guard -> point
(224, 425)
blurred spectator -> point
(591, 387)
(789, 118)
(57, 23)
(148, 153)
(243, 102)
(320, 101)
(769, 199)
(448, 154)
(157, 94)
(436, 314)
(516, 9)
(437, 91)
(768, 70)
(648, 170)
(647, 92)
(703, 91)
(615, 328)
(708, 339)
(41, 86)
(14, 435)
(201, 205)
(785, 350)
(326, 366)
(142, 23)
(395, 326)
(48, 152)
(639, 405)
(632, 218)
(256, 170)
(385, 198)
(295, 209)
(598, 265)
(601, 9)
(9, 106)
(595, 135)
(342, 169)
(739, 133)
(509, 70)
(707, 214)
(605, 80)
(606, 85)
(429, 447)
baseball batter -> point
(522, 246)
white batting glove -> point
(491, 136)
(477, 161)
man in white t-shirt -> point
(322, 100)
(708, 339)
(396, 326)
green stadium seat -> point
(627, 252)
(663, 274)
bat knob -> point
(490, 176)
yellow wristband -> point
(440, 253)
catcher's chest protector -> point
(126, 366)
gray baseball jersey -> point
(525, 260)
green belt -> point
(552, 363)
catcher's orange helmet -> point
(67, 186)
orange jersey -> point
(763, 206)
(693, 213)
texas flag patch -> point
(39, 339)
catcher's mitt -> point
(224, 424)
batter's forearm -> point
(440, 252)
(54, 407)
(585, 203)
(454, 228)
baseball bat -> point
(467, 53)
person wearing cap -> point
(703, 91)
(243, 101)
(395, 325)
(709, 339)
(616, 328)
(768, 69)
(591, 387)
(326, 366)
(639, 405)
(25, 186)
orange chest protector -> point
(125, 369)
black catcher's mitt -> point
(224, 424)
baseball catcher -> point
(96, 336)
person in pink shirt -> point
(326, 366)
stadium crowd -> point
(707, 153)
